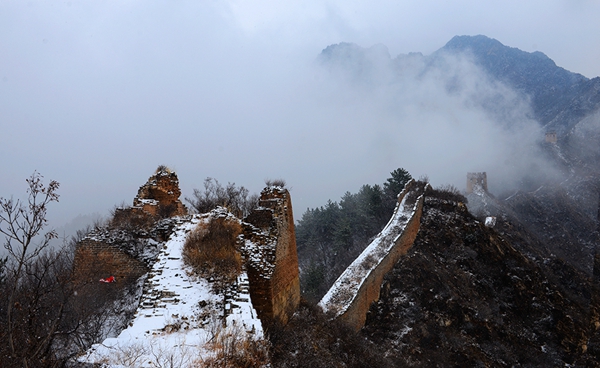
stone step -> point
(170, 300)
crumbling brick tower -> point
(476, 180)
(271, 257)
(116, 249)
(160, 195)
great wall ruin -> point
(127, 247)
(272, 260)
(268, 247)
(269, 244)
(351, 295)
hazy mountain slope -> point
(559, 97)
(464, 296)
(554, 223)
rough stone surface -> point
(97, 259)
(465, 296)
(272, 260)
(160, 195)
(123, 249)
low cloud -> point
(96, 96)
(439, 116)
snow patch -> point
(178, 314)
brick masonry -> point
(355, 313)
(271, 263)
(476, 180)
(160, 195)
(97, 259)
(273, 275)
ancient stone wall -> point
(97, 259)
(352, 294)
(272, 260)
(120, 249)
(356, 314)
(269, 245)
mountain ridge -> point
(552, 88)
(559, 97)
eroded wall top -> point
(160, 194)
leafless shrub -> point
(180, 355)
(448, 192)
(46, 316)
(22, 225)
(127, 356)
(163, 168)
(235, 199)
(234, 348)
(275, 183)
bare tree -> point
(47, 314)
(236, 199)
(21, 224)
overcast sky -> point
(97, 94)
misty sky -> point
(97, 94)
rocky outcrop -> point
(351, 296)
(271, 258)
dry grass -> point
(212, 249)
(275, 183)
(163, 168)
(234, 348)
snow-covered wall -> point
(352, 294)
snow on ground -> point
(178, 314)
(346, 287)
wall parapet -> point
(353, 292)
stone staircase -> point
(169, 292)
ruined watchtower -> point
(160, 195)
(551, 137)
(476, 180)
(116, 250)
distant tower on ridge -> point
(551, 137)
(475, 180)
